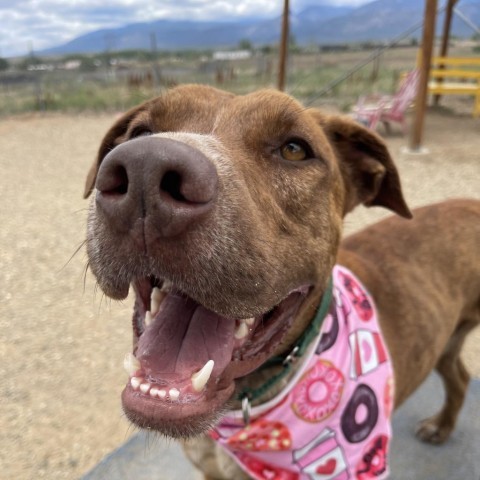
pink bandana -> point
(332, 422)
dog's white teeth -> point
(135, 382)
(155, 300)
(242, 330)
(139, 383)
(200, 378)
(131, 364)
(148, 318)
(144, 387)
(174, 394)
(249, 321)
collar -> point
(248, 395)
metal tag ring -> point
(291, 356)
(246, 410)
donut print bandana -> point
(332, 422)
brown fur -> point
(277, 225)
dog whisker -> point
(80, 210)
(85, 272)
(82, 244)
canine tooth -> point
(249, 321)
(144, 387)
(153, 392)
(200, 378)
(167, 285)
(174, 394)
(241, 331)
(162, 393)
(131, 364)
(148, 318)
(155, 299)
(135, 382)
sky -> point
(39, 24)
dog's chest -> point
(332, 422)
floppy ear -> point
(367, 168)
(113, 137)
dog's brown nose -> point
(165, 183)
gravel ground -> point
(62, 342)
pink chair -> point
(388, 108)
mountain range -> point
(379, 20)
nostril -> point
(171, 184)
(116, 183)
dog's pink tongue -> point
(182, 338)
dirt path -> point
(62, 344)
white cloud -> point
(45, 23)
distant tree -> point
(88, 64)
(245, 44)
(266, 49)
(4, 65)
(293, 46)
(28, 61)
(72, 56)
(476, 38)
(34, 60)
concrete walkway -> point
(146, 457)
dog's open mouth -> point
(186, 357)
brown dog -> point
(225, 214)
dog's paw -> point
(431, 431)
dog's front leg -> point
(211, 460)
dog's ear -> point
(113, 137)
(367, 168)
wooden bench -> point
(456, 76)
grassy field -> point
(126, 84)
(116, 89)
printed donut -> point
(318, 392)
(358, 297)
(355, 431)
(374, 459)
(262, 436)
(344, 307)
(328, 338)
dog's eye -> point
(294, 151)
(140, 131)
